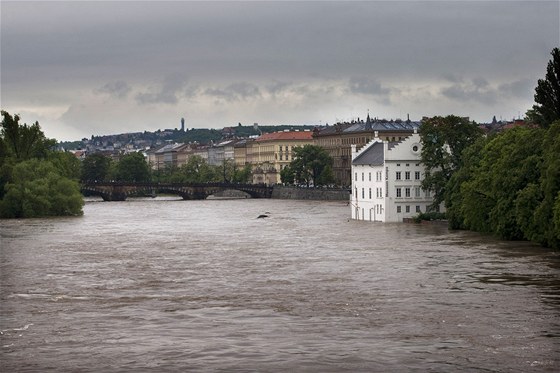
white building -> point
(386, 179)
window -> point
(363, 193)
(362, 176)
(398, 209)
(399, 193)
(407, 208)
(398, 175)
(369, 193)
(418, 209)
(407, 175)
(417, 175)
(370, 176)
(356, 176)
(398, 164)
(417, 192)
(407, 192)
(408, 164)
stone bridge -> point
(119, 191)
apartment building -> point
(386, 180)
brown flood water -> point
(170, 286)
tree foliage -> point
(95, 167)
(311, 165)
(35, 180)
(547, 94)
(133, 167)
(37, 189)
(22, 141)
(510, 185)
(443, 141)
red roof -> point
(292, 135)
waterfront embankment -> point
(317, 194)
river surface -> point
(168, 285)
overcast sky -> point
(93, 68)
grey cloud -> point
(235, 92)
(167, 94)
(522, 88)
(277, 87)
(299, 53)
(452, 78)
(116, 89)
(481, 91)
(367, 86)
(480, 82)
(477, 90)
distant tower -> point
(368, 122)
(182, 124)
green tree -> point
(455, 192)
(443, 141)
(22, 141)
(547, 94)
(37, 189)
(542, 228)
(67, 164)
(197, 170)
(133, 167)
(503, 183)
(35, 179)
(311, 165)
(96, 167)
(227, 170)
(242, 175)
(287, 175)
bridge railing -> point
(175, 185)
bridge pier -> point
(111, 197)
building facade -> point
(338, 139)
(271, 152)
(386, 180)
(169, 156)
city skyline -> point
(99, 68)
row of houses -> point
(269, 153)
(381, 160)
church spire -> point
(368, 121)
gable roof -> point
(374, 155)
(284, 136)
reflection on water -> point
(170, 285)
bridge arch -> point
(118, 191)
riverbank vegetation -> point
(507, 183)
(35, 180)
(311, 166)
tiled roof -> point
(285, 136)
(384, 126)
(170, 148)
(373, 155)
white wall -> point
(401, 177)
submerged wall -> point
(287, 192)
